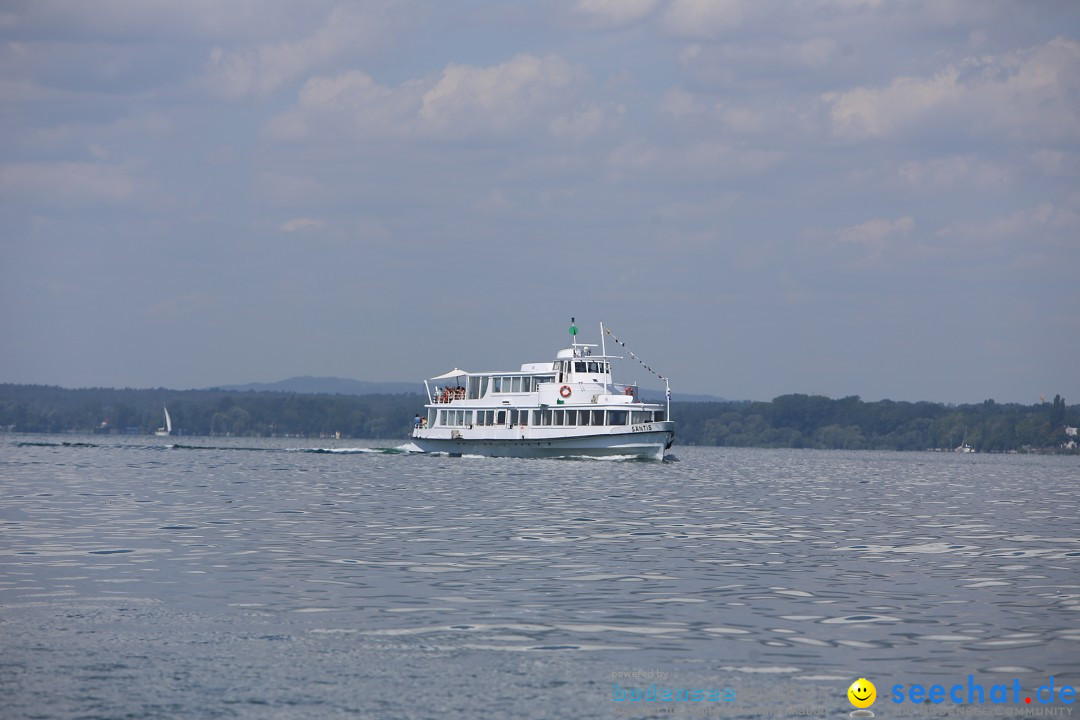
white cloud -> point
(67, 184)
(950, 173)
(876, 234)
(261, 69)
(1028, 93)
(742, 119)
(679, 103)
(703, 159)
(1044, 223)
(704, 19)
(868, 112)
(467, 98)
(616, 12)
(301, 223)
(525, 92)
(583, 123)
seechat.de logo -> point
(975, 694)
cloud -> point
(260, 69)
(583, 123)
(704, 19)
(707, 159)
(301, 223)
(67, 184)
(680, 103)
(1042, 224)
(950, 173)
(867, 112)
(525, 92)
(876, 234)
(616, 12)
(499, 97)
(1026, 93)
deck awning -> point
(455, 373)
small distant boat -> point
(167, 430)
(964, 448)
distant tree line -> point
(795, 421)
(46, 409)
(814, 421)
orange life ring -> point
(629, 391)
(565, 391)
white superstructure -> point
(563, 408)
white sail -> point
(168, 421)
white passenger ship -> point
(564, 408)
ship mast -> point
(603, 354)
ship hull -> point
(644, 445)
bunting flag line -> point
(631, 354)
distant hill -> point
(308, 385)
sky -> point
(840, 197)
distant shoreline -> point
(787, 421)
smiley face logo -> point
(862, 693)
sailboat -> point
(167, 430)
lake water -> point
(267, 578)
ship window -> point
(431, 417)
(616, 417)
(557, 418)
(580, 366)
(515, 385)
(597, 417)
(469, 417)
(477, 387)
(594, 367)
(659, 416)
(583, 417)
(442, 417)
(498, 385)
(500, 417)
